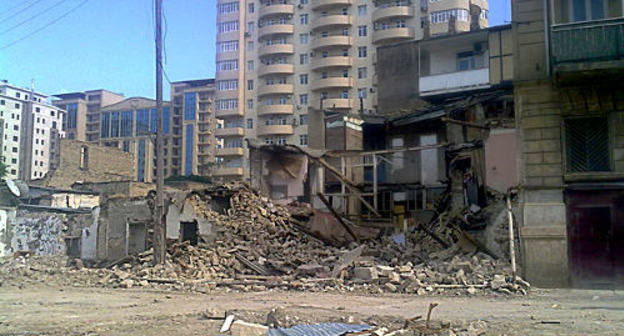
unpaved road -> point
(94, 311)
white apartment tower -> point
(30, 130)
(277, 60)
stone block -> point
(242, 328)
(365, 273)
(384, 271)
(552, 157)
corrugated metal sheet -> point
(322, 329)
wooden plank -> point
(333, 211)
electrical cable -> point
(31, 17)
(45, 26)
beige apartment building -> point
(278, 60)
(194, 120)
(83, 119)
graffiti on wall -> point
(42, 235)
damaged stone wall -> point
(187, 207)
(102, 164)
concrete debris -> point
(258, 245)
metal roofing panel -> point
(322, 329)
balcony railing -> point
(454, 81)
(590, 41)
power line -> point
(45, 26)
(31, 17)
(20, 11)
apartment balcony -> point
(332, 21)
(230, 131)
(331, 62)
(321, 4)
(332, 83)
(227, 74)
(234, 151)
(276, 69)
(228, 55)
(276, 49)
(276, 29)
(264, 90)
(454, 82)
(592, 45)
(393, 35)
(229, 113)
(278, 9)
(275, 109)
(338, 103)
(205, 131)
(228, 171)
(393, 12)
(226, 94)
(228, 36)
(225, 17)
(332, 41)
(275, 130)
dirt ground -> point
(48, 310)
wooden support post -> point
(512, 249)
(345, 199)
(375, 181)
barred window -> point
(587, 145)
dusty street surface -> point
(94, 311)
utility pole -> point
(159, 223)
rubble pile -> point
(259, 245)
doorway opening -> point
(189, 232)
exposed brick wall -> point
(104, 164)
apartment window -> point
(13, 171)
(249, 123)
(228, 7)
(345, 94)
(250, 27)
(251, 7)
(468, 61)
(303, 2)
(324, 95)
(587, 145)
(37, 109)
(17, 105)
(362, 93)
(14, 161)
(54, 124)
(250, 104)
(361, 52)
(303, 19)
(17, 94)
(250, 65)
(445, 15)
(324, 34)
(228, 26)
(227, 46)
(15, 138)
(303, 99)
(303, 119)
(15, 128)
(250, 84)
(345, 32)
(227, 65)
(345, 73)
(303, 59)
(226, 104)
(225, 85)
(268, 141)
(324, 74)
(303, 79)
(362, 10)
(14, 149)
(362, 73)
(2, 102)
(361, 30)
(303, 140)
(303, 38)
(250, 45)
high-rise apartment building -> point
(30, 130)
(278, 60)
(82, 121)
(194, 120)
